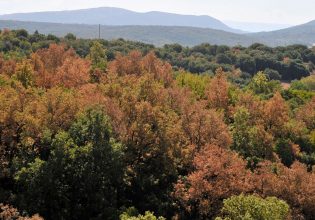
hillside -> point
(300, 34)
(160, 35)
(118, 16)
(254, 27)
(157, 35)
(153, 27)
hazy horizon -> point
(252, 11)
(238, 25)
(256, 26)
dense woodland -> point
(94, 129)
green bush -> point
(132, 214)
(254, 208)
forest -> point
(96, 129)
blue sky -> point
(265, 11)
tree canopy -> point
(89, 128)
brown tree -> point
(161, 71)
(294, 185)
(126, 65)
(7, 212)
(7, 67)
(218, 175)
(276, 114)
(203, 126)
(253, 105)
(306, 114)
(217, 93)
(73, 73)
(46, 63)
(58, 109)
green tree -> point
(25, 73)
(254, 208)
(285, 149)
(259, 83)
(312, 137)
(132, 214)
(272, 74)
(81, 178)
(99, 61)
(98, 56)
(70, 37)
(251, 141)
(197, 83)
(246, 63)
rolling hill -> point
(118, 16)
(152, 27)
(157, 35)
(300, 34)
(252, 27)
(160, 35)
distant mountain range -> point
(300, 34)
(255, 26)
(157, 35)
(119, 16)
(156, 28)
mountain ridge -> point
(119, 16)
(157, 35)
(299, 34)
(160, 35)
(161, 28)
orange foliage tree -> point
(58, 66)
(73, 73)
(217, 92)
(306, 114)
(218, 175)
(203, 126)
(295, 185)
(276, 114)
